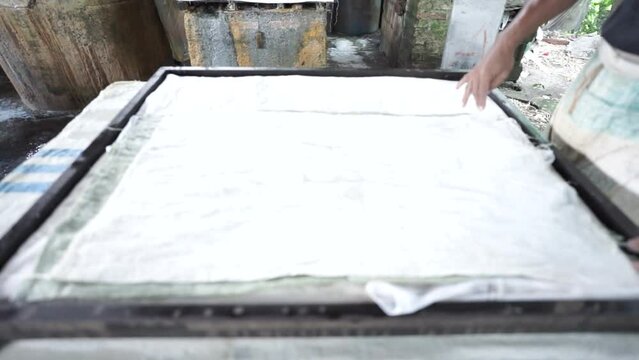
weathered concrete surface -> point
(59, 54)
(173, 21)
(16, 3)
(257, 37)
(392, 30)
(357, 17)
(414, 32)
(472, 31)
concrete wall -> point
(173, 21)
(414, 32)
(59, 54)
(257, 37)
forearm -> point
(533, 15)
(494, 68)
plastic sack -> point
(571, 19)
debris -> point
(584, 47)
(511, 85)
(548, 70)
(538, 117)
(556, 41)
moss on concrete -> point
(430, 31)
(414, 34)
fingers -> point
(478, 86)
(466, 94)
(463, 81)
(483, 87)
(469, 88)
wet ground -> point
(22, 131)
(553, 62)
(356, 52)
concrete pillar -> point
(257, 36)
(414, 32)
(173, 20)
(59, 54)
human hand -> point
(491, 71)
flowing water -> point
(22, 131)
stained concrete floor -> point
(22, 131)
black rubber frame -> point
(90, 318)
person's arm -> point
(494, 68)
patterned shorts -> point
(596, 125)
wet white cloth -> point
(21, 188)
(401, 299)
(253, 178)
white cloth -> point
(52, 160)
(44, 167)
(619, 61)
(402, 299)
(258, 178)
